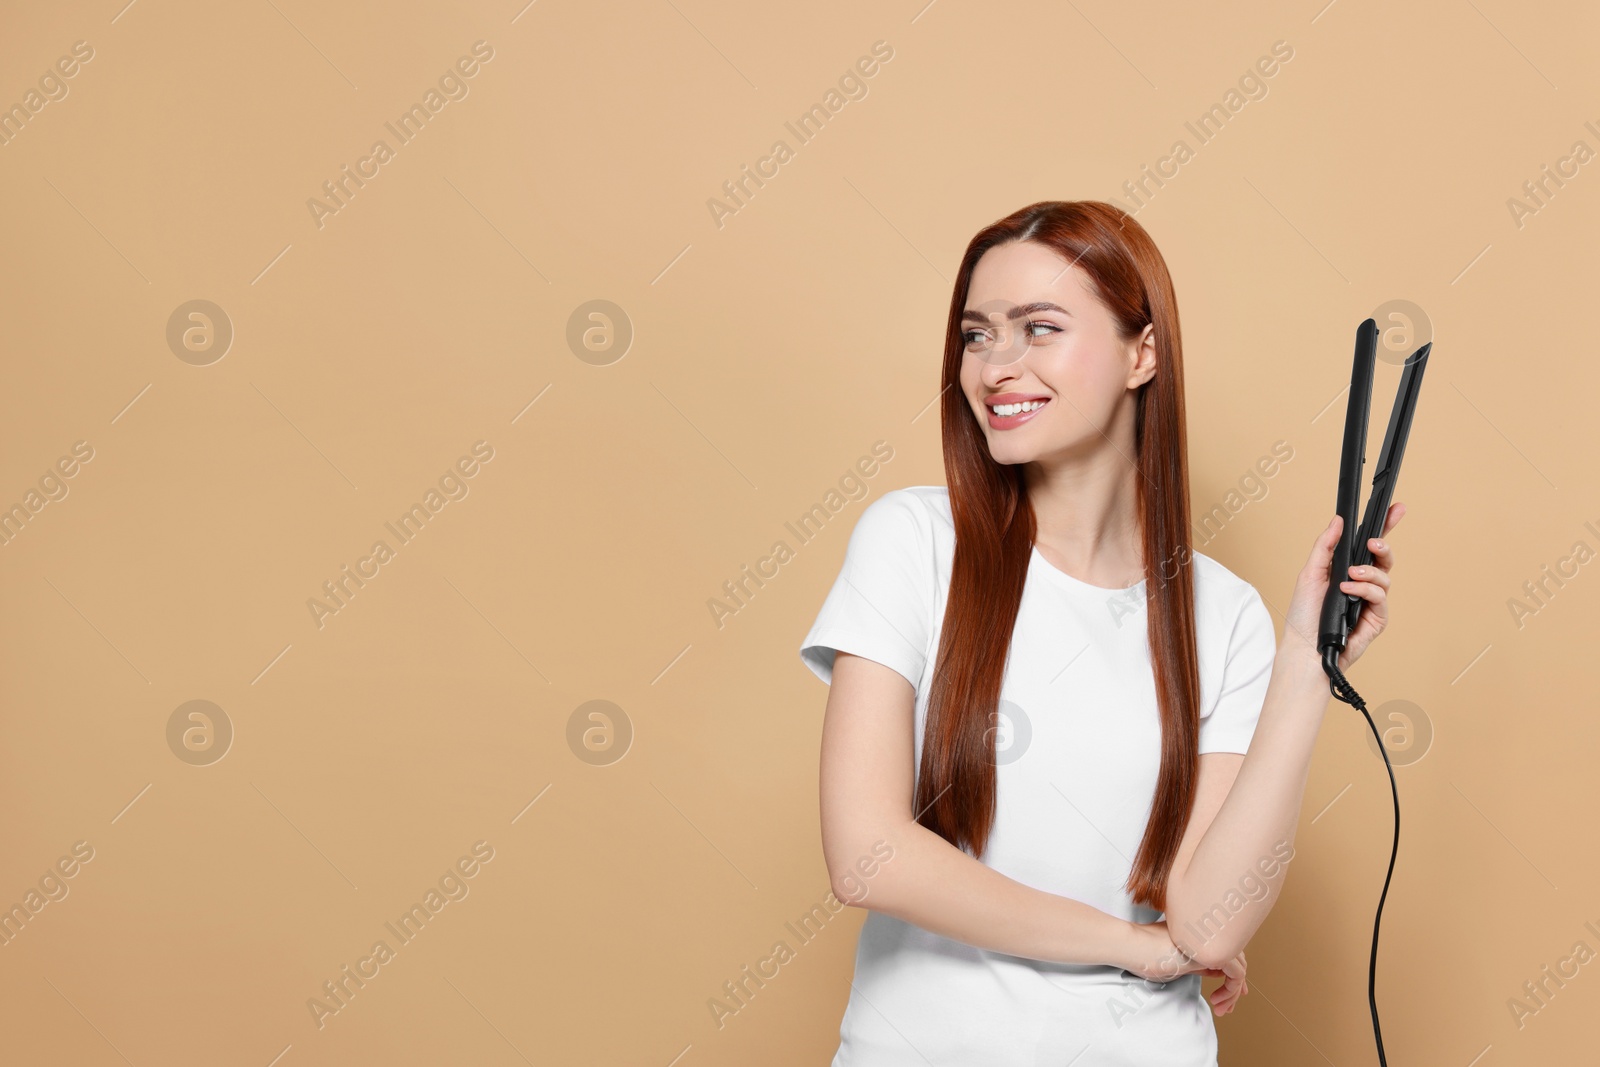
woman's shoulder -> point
(1218, 590)
(919, 502)
(906, 519)
(934, 499)
(1212, 571)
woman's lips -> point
(1011, 422)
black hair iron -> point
(1340, 610)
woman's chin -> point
(1010, 455)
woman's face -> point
(1043, 349)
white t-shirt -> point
(1078, 751)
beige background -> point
(432, 310)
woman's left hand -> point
(1369, 582)
(1226, 996)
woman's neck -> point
(1087, 519)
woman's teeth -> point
(1003, 410)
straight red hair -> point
(994, 534)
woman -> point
(1064, 755)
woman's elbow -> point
(856, 875)
(1214, 937)
(1216, 952)
(1210, 938)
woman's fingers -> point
(1369, 591)
(1382, 552)
(1322, 549)
(1236, 984)
(1226, 996)
(1373, 572)
(1371, 583)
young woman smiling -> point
(1072, 796)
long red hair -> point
(994, 534)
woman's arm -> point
(1243, 827)
(866, 796)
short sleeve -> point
(881, 605)
(1252, 646)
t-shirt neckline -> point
(1062, 578)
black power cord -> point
(1342, 689)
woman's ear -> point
(1142, 357)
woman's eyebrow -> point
(971, 315)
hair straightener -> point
(1340, 610)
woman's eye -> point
(977, 338)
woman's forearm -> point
(1233, 878)
(932, 884)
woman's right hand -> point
(1159, 960)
